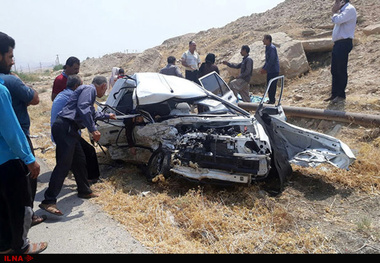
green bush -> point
(58, 67)
(28, 77)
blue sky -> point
(44, 29)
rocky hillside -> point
(300, 20)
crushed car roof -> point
(155, 88)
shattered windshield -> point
(215, 85)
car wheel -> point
(159, 163)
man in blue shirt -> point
(73, 82)
(16, 163)
(22, 97)
(271, 67)
(78, 113)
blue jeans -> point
(339, 63)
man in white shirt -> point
(344, 19)
(191, 61)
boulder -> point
(148, 61)
(318, 45)
(321, 45)
(308, 33)
(293, 61)
(372, 29)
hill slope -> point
(294, 17)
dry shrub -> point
(208, 220)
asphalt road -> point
(84, 228)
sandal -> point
(36, 248)
(38, 219)
(51, 208)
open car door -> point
(215, 84)
(301, 146)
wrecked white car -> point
(176, 126)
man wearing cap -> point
(71, 67)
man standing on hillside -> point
(208, 66)
(344, 18)
(271, 67)
(71, 67)
(241, 84)
(191, 61)
(171, 68)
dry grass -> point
(363, 174)
(175, 217)
(207, 220)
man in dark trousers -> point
(22, 97)
(73, 82)
(271, 67)
(191, 61)
(78, 113)
(344, 19)
(240, 85)
(17, 163)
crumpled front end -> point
(232, 153)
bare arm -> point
(36, 98)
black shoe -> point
(329, 99)
(88, 196)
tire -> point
(159, 163)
